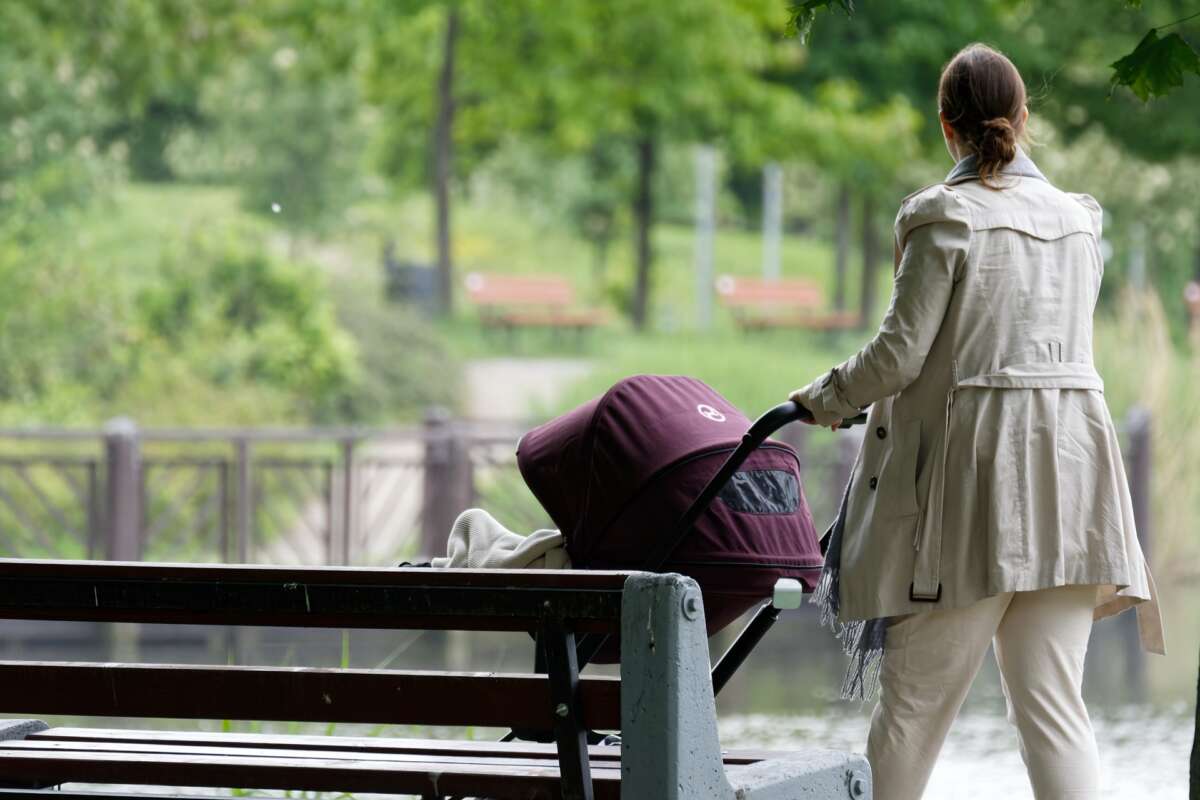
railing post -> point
(123, 523)
(348, 500)
(122, 454)
(244, 499)
(448, 480)
(94, 522)
(845, 446)
(1137, 423)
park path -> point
(516, 391)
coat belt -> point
(926, 585)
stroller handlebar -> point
(791, 411)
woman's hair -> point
(982, 96)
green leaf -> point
(803, 13)
(1156, 66)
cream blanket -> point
(478, 541)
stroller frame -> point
(754, 631)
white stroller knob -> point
(789, 593)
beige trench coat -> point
(990, 462)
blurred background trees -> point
(152, 149)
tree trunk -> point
(600, 245)
(1194, 794)
(443, 161)
(1196, 267)
(870, 260)
(643, 215)
(842, 256)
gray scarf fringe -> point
(862, 640)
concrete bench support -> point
(669, 746)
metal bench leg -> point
(569, 732)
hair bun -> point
(999, 126)
(997, 141)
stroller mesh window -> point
(762, 491)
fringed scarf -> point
(862, 640)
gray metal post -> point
(706, 192)
(772, 221)
(846, 446)
(447, 481)
(123, 522)
(244, 499)
(223, 538)
(348, 490)
(123, 531)
(1137, 256)
(1138, 427)
(94, 522)
(1138, 454)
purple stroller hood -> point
(617, 473)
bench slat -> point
(519, 290)
(313, 742)
(303, 774)
(296, 695)
(135, 751)
(781, 303)
(309, 597)
(388, 576)
(371, 744)
(513, 301)
(564, 319)
(59, 794)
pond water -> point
(1144, 752)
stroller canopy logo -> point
(708, 412)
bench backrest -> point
(756, 293)
(662, 703)
(513, 290)
(303, 597)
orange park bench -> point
(759, 304)
(512, 301)
(662, 704)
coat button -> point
(881, 432)
(873, 483)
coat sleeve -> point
(1096, 213)
(933, 235)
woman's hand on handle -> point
(804, 398)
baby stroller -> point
(662, 473)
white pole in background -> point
(772, 219)
(706, 195)
(1137, 257)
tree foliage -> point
(1156, 66)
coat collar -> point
(1021, 166)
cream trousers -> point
(1040, 639)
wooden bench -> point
(662, 703)
(510, 302)
(759, 304)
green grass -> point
(130, 228)
(753, 371)
(495, 236)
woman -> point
(988, 503)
